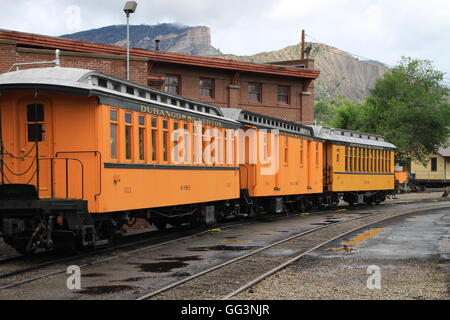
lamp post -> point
(130, 7)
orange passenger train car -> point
(90, 152)
(358, 166)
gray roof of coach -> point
(266, 121)
(351, 137)
(90, 80)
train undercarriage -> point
(28, 223)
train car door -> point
(35, 130)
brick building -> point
(283, 90)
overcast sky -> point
(382, 30)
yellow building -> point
(437, 171)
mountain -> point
(342, 75)
(174, 37)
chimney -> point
(157, 44)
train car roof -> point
(267, 122)
(94, 83)
(352, 138)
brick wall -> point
(226, 92)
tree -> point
(408, 106)
(324, 112)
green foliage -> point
(408, 106)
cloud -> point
(378, 29)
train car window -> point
(346, 159)
(128, 118)
(128, 136)
(187, 145)
(301, 153)
(286, 150)
(35, 132)
(141, 120)
(141, 138)
(338, 155)
(317, 153)
(102, 83)
(113, 133)
(141, 93)
(117, 86)
(165, 140)
(130, 90)
(35, 113)
(154, 141)
(351, 159)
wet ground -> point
(130, 276)
(410, 254)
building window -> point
(433, 164)
(172, 84)
(283, 94)
(254, 92)
(207, 87)
(113, 133)
(128, 136)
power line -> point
(328, 48)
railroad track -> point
(15, 261)
(31, 273)
(227, 280)
(180, 236)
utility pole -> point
(302, 46)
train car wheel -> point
(160, 225)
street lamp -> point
(130, 7)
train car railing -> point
(97, 154)
(66, 161)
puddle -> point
(223, 248)
(182, 259)
(93, 275)
(161, 267)
(342, 250)
(181, 274)
(355, 241)
(167, 264)
(131, 279)
(94, 291)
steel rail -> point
(296, 258)
(179, 283)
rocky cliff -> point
(341, 74)
(174, 38)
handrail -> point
(100, 165)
